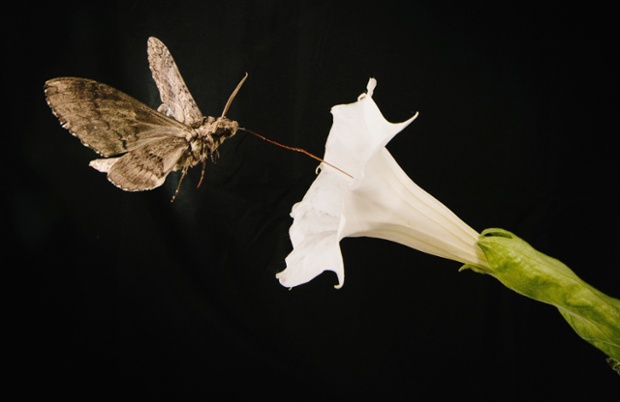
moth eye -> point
(222, 132)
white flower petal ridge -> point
(379, 201)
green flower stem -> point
(592, 314)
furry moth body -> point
(140, 145)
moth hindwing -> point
(140, 145)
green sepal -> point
(592, 314)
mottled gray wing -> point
(176, 99)
(106, 119)
(146, 167)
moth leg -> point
(215, 155)
(183, 173)
(202, 173)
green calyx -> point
(592, 314)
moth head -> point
(224, 128)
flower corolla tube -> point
(375, 198)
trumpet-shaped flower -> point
(375, 198)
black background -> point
(128, 296)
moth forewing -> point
(105, 119)
(176, 99)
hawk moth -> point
(140, 145)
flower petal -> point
(379, 200)
(359, 130)
(389, 205)
(314, 232)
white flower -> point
(377, 200)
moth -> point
(141, 146)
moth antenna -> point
(300, 150)
(233, 94)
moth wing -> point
(176, 99)
(103, 165)
(144, 168)
(106, 119)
